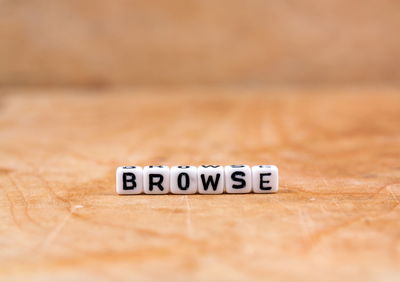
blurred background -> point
(184, 42)
(89, 85)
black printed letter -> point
(210, 180)
(242, 182)
(262, 181)
(128, 178)
(155, 183)
(187, 181)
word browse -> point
(204, 179)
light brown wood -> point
(336, 217)
(103, 42)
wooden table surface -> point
(336, 216)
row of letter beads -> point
(205, 179)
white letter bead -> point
(210, 179)
(238, 179)
(156, 179)
(129, 180)
(265, 178)
(183, 179)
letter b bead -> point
(183, 179)
(129, 180)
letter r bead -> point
(129, 180)
(265, 178)
(156, 179)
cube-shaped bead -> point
(210, 179)
(238, 179)
(265, 178)
(183, 179)
(129, 180)
(156, 179)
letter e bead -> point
(265, 178)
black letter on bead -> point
(242, 182)
(187, 181)
(206, 166)
(156, 183)
(210, 180)
(262, 181)
(128, 178)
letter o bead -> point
(238, 179)
(156, 179)
(183, 179)
(129, 180)
(265, 178)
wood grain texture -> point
(336, 216)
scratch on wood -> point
(323, 178)
(12, 212)
(51, 191)
(280, 203)
(54, 233)
(336, 203)
(25, 203)
(189, 228)
(317, 236)
(305, 221)
(394, 196)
